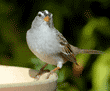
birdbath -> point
(21, 79)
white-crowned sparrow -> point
(49, 45)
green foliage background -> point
(84, 23)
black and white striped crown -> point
(45, 13)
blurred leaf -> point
(101, 72)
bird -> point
(49, 45)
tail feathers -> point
(90, 51)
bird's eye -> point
(39, 15)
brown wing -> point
(67, 52)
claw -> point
(40, 73)
(48, 76)
(37, 77)
(50, 73)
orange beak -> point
(46, 18)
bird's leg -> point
(52, 71)
(42, 70)
(59, 66)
